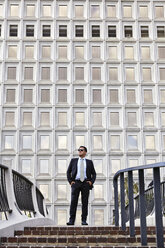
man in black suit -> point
(81, 176)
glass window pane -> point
(30, 10)
(45, 73)
(148, 96)
(97, 142)
(129, 52)
(163, 119)
(27, 142)
(115, 142)
(62, 73)
(12, 52)
(131, 119)
(112, 51)
(97, 119)
(9, 119)
(149, 119)
(61, 192)
(150, 142)
(96, 73)
(29, 52)
(130, 74)
(159, 11)
(132, 142)
(146, 74)
(79, 96)
(80, 140)
(114, 98)
(27, 119)
(80, 119)
(79, 10)
(45, 96)
(44, 166)
(114, 119)
(113, 74)
(28, 96)
(161, 52)
(9, 142)
(28, 74)
(127, 11)
(11, 73)
(62, 95)
(10, 96)
(26, 166)
(162, 96)
(162, 73)
(79, 52)
(46, 10)
(62, 119)
(79, 73)
(143, 11)
(111, 11)
(95, 52)
(145, 53)
(14, 10)
(95, 11)
(45, 119)
(45, 142)
(62, 10)
(46, 51)
(96, 96)
(131, 96)
(62, 142)
(62, 52)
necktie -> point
(82, 170)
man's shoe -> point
(84, 223)
(70, 223)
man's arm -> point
(93, 172)
(69, 172)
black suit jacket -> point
(72, 171)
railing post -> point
(131, 204)
(122, 198)
(143, 228)
(158, 208)
(116, 202)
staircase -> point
(77, 237)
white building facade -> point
(81, 73)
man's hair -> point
(84, 148)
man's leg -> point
(84, 199)
(75, 190)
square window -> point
(61, 192)
(98, 217)
(163, 119)
(9, 142)
(148, 98)
(132, 119)
(44, 166)
(46, 30)
(61, 217)
(28, 95)
(146, 74)
(80, 140)
(13, 32)
(29, 30)
(10, 96)
(150, 142)
(44, 188)
(45, 142)
(45, 119)
(27, 118)
(132, 142)
(26, 166)
(130, 74)
(62, 73)
(79, 96)
(12, 52)
(143, 11)
(127, 11)
(62, 30)
(114, 119)
(148, 119)
(29, 52)
(96, 73)
(112, 51)
(80, 119)
(145, 53)
(129, 52)
(62, 119)
(30, 10)
(79, 11)
(46, 10)
(9, 119)
(45, 96)
(62, 52)
(14, 10)
(79, 73)
(62, 142)
(115, 165)
(162, 96)
(160, 31)
(144, 31)
(11, 73)
(79, 31)
(97, 119)
(112, 31)
(62, 95)
(115, 142)
(113, 74)
(45, 73)
(161, 52)
(114, 96)
(111, 11)
(97, 142)
(96, 96)
(28, 74)
(95, 52)
(79, 52)
(46, 52)
(95, 31)
(128, 33)
(63, 10)
(131, 96)
(95, 11)
(27, 142)
(159, 11)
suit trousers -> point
(76, 188)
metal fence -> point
(149, 200)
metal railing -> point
(143, 204)
(19, 195)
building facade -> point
(81, 73)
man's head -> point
(82, 151)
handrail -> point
(141, 202)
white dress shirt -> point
(78, 169)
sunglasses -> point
(80, 150)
